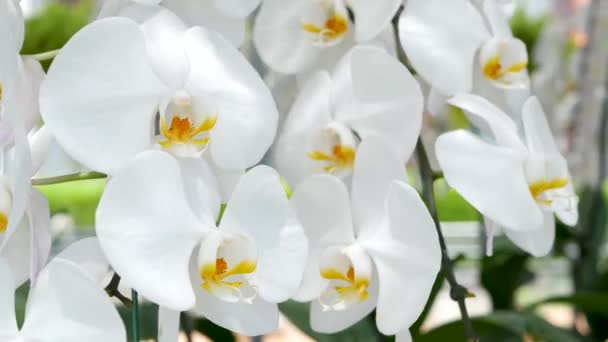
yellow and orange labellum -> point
(357, 287)
(181, 131)
(493, 69)
(342, 157)
(213, 275)
(334, 28)
(538, 188)
(3, 222)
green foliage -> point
(148, 320)
(78, 199)
(528, 30)
(502, 326)
(55, 25)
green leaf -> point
(211, 330)
(502, 326)
(596, 303)
(148, 320)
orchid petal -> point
(247, 115)
(310, 113)
(441, 39)
(386, 99)
(54, 311)
(372, 17)
(376, 167)
(538, 133)
(407, 258)
(497, 19)
(17, 251)
(237, 8)
(259, 208)
(537, 240)
(202, 189)
(8, 320)
(93, 89)
(87, 254)
(486, 114)
(489, 177)
(168, 325)
(279, 38)
(39, 217)
(147, 230)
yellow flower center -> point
(493, 68)
(3, 222)
(181, 131)
(342, 157)
(540, 187)
(335, 27)
(214, 275)
(356, 288)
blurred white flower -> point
(369, 93)
(65, 305)
(156, 85)
(228, 17)
(377, 249)
(298, 35)
(156, 223)
(517, 184)
(442, 39)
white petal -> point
(202, 189)
(39, 217)
(387, 100)
(310, 113)
(372, 17)
(247, 114)
(441, 39)
(8, 321)
(376, 167)
(168, 325)
(259, 208)
(407, 258)
(536, 240)
(11, 29)
(257, 318)
(487, 115)
(99, 100)
(404, 336)
(227, 179)
(23, 105)
(148, 2)
(39, 142)
(497, 19)
(237, 8)
(55, 311)
(312, 282)
(538, 133)
(55, 162)
(164, 34)
(329, 322)
(19, 172)
(322, 206)
(489, 177)
(147, 230)
(17, 250)
(87, 254)
(206, 13)
(279, 38)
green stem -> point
(44, 56)
(68, 178)
(458, 293)
(135, 315)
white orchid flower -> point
(20, 77)
(370, 93)
(296, 36)
(101, 100)
(156, 223)
(378, 249)
(450, 45)
(516, 183)
(65, 305)
(25, 239)
(228, 17)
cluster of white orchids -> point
(159, 96)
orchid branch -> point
(112, 290)
(68, 178)
(457, 292)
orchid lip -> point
(335, 149)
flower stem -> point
(457, 292)
(112, 290)
(68, 178)
(135, 315)
(44, 56)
